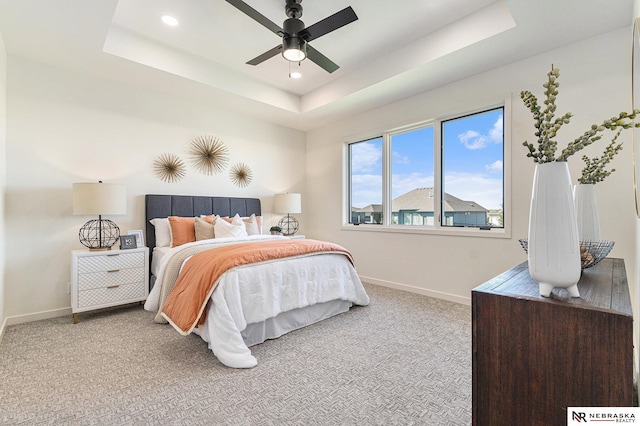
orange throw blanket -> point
(184, 308)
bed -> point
(252, 301)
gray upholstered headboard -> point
(191, 206)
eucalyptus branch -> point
(594, 169)
(547, 125)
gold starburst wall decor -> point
(241, 175)
(208, 154)
(169, 167)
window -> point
(411, 174)
(472, 159)
(440, 175)
(365, 184)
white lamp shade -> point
(287, 203)
(99, 198)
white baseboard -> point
(37, 316)
(418, 290)
(2, 328)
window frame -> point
(437, 228)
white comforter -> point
(252, 293)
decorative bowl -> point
(591, 252)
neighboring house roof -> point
(421, 200)
(371, 208)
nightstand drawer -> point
(110, 295)
(110, 262)
(110, 278)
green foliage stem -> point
(594, 169)
(547, 125)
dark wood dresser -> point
(534, 356)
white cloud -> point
(401, 159)
(475, 140)
(496, 133)
(365, 157)
(367, 189)
(495, 167)
(403, 183)
(475, 187)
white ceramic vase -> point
(584, 197)
(553, 245)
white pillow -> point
(251, 224)
(163, 231)
(223, 229)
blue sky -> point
(472, 161)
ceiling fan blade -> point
(325, 63)
(257, 16)
(331, 23)
(266, 55)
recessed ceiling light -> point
(169, 20)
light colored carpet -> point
(403, 360)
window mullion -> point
(386, 179)
(438, 212)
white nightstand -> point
(100, 279)
(295, 237)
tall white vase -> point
(584, 197)
(553, 246)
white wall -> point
(64, 127)
(594, 85)
(3, 144)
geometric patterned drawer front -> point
(87, 264)
(104, 279)
(102, 296)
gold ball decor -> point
(208, 154)
(169, 167)
(241, 175)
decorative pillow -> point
(182, 230)
(204, 229)
(163, 231)
(234, 228)
(253, 224)
(209, 218)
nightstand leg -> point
(75, 318)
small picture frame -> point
(127, 242)
(139, 237)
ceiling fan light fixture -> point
(294, 49)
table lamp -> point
(288, 203)
(98, 199)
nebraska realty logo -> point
(582, 415)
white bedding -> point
(158, 254)
(251, 294)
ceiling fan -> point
(295, 37)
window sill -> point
(430, 230)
